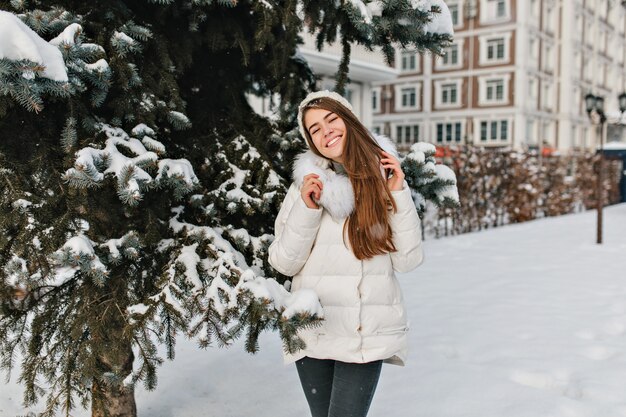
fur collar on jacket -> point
(337, 197)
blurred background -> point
(521, 81)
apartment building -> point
(515, 76)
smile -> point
(333, 142)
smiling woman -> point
(327, 131)
(340, 187)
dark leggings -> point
(338, 389)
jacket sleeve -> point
(295, 230)
(406, 232)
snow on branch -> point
(132, 172)
(238, 160)
(68, 36)
(77, 255)
(441, 22)
(218, 272)
(429, 180)
(19, 42)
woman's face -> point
(328, 132)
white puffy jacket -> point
(364, 315)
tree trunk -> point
(110, 400)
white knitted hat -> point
(318, 94)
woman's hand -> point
(311, 186)
(396, 182)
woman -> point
(347, 223)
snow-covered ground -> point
(527, 320)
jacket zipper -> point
(360, 311)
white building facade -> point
(515, 76)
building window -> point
(547, 60)
(494, 10)
(546, 136)
(548, 24)
(376, 100)
(530, 132)
(532, 46)
(409, 61)
(532, 93)
(500, 8)
(495, 90)
(407, 134)
(452, 57)
(495, 49)
(376, 129)
(547, 95)
(494, 130)
(578, 25)
(408, 97)
(449, 132)
(449, 93)
(454, 12)
(534, 4)
(587, 68)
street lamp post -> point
(595, 105)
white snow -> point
(124, 37)
(99, 66)
(189, 258)
(79, 245)
(441, 22)
(273, 180)
(137, 309)
(93, 47)
(527, 320)
(444, 172)
(304, 300)
(423, 147)
(21, 203)
(177, 168)
(68, 36)
(176, 115)
(14, 278)
(113, 245)
(143, 129)
(118, 162)
(153, 145)
(18, 41)
(366, 13)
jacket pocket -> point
(393, 330)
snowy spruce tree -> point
(138, 188)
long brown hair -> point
(368, 226)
